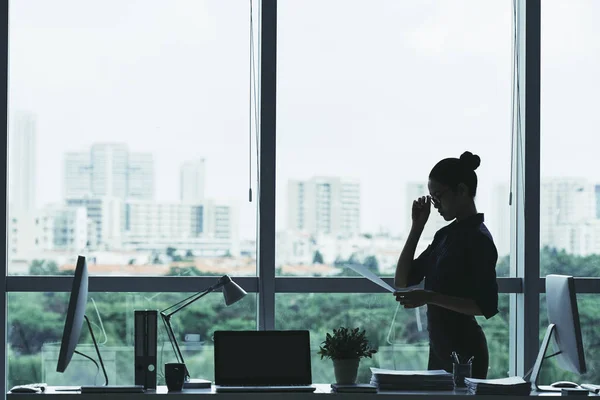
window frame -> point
(525, 285)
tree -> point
(339, 262)
(156, 259)
(318, 258)
(189, 254)
(171, 251)
(371, 263)
(353, 259)
(43, 267)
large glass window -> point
(132, 141)
(570, 181)
(370, 96)
(129, 137)
(36, 321)
(399, 335)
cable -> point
(254, 97)
(528, 373)
(250, 83)
(100, 320)
(92, 360)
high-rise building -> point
(110, 163)
(192, 178)
(207, 228)
(22, 155)
(564, 202)
(105, 220)
(140, 176)
(78, 175)
(597, 190)
(109, 169)
(324, 205)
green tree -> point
(318, 258)
(371, 263)
(43, 267)
(171, 251)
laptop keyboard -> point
(270, 388)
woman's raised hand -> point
(420, 210)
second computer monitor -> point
(563, 332)
(563, 312)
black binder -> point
(145, 348)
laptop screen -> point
(262, 358)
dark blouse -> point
(460, 262)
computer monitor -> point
(564, 331)
(72, 332)
(74, 320)
(75, 315)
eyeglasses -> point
(436, 200)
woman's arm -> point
(419, 297)
(407, 256)
(419, 214)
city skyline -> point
(327, 208)
(141, 77)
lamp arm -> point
(189, 300)
(166, 317)
(167, 322)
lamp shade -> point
(232, 292)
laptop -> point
(263, 361)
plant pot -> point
(346, 370)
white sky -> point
(378, 90)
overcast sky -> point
(375, 90)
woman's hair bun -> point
(471, 160)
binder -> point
(145, 347)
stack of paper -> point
(388, 379)
(513, 386)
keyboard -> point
(113, 389)
(590, 387)
(292, 388)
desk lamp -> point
(231, 292)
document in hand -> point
(389, 379)
(370, 275)
(514, 385)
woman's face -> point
(445, 200)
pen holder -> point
(460, 372)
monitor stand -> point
(106, 388)
(535, 374)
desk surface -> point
(321, 391)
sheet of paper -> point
(435, 372)
(371, 276)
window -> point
(399, 335)
(129, 137)
(570, 182)
(121, 122)
(36, 321)
(370, 97)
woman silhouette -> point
(459, 267)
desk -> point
(323, 392)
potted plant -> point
(346, 347)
